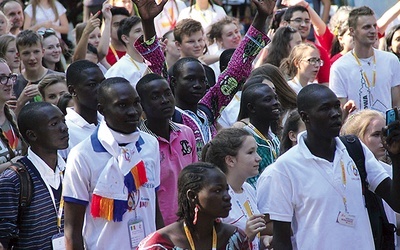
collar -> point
(78, 120)
(174, 127)
(97, 147)
(340, 147)
(49, 176)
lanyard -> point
(114, 52)
(363, 72)
(190, 239)
(333, 184)
(268, 141)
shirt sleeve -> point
(76, 182)
(323, 73)
(275, 199)
(325, 40)
(152, 53)
(237, 72)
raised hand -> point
(265, 8)
(92, 23)
(149, 9)
(106, 10)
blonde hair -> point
(357, 123)
(288, 65)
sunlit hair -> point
(357, 123)
(226, 143)
(49, 80)
(356, 13)
(215, 33)
(288, 65)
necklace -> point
(363, 71)
(190, 239)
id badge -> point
(136, 231)
(58, 242)
(346, 219)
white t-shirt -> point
(230, 113)
(78, 129)
(44, 15)
(238, 215)
(85, 164)
(207, 17)
(308, 191)
(125, 68)
(295, 85)
(167, 19)
(347, 82)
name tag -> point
(136, 232)
(58, 242)
(346, 219)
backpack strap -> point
(26, 187)
(355, 150)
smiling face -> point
(301, 22)
(31, 56)
(230, 36)
(5, 89)
(265, 105)
(122, 109)
(193, 45)
(214, 199)
(52, 49)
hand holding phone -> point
(391, 116)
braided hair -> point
(194, 178)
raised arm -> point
(148, 45)
(106, 31)
(81, 47)
(240, 65)
(388, 17)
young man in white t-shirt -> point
(314, 190)
(369, 77)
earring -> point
(196, 210)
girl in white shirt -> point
(234, 151)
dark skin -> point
(148, 10)
(323, 144)
(158, 103)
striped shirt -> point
(39, 221)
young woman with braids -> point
(234, 151)
(12, 146)
(203, 198)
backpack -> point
(382, 230)
(26, 191)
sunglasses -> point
(46, 33)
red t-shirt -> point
(323, 73)
(111, 58)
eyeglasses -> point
(314, 61)
(301, 21)
(46, 33)
(4, 79)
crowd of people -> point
(182, 125)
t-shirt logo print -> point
(186, 148)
